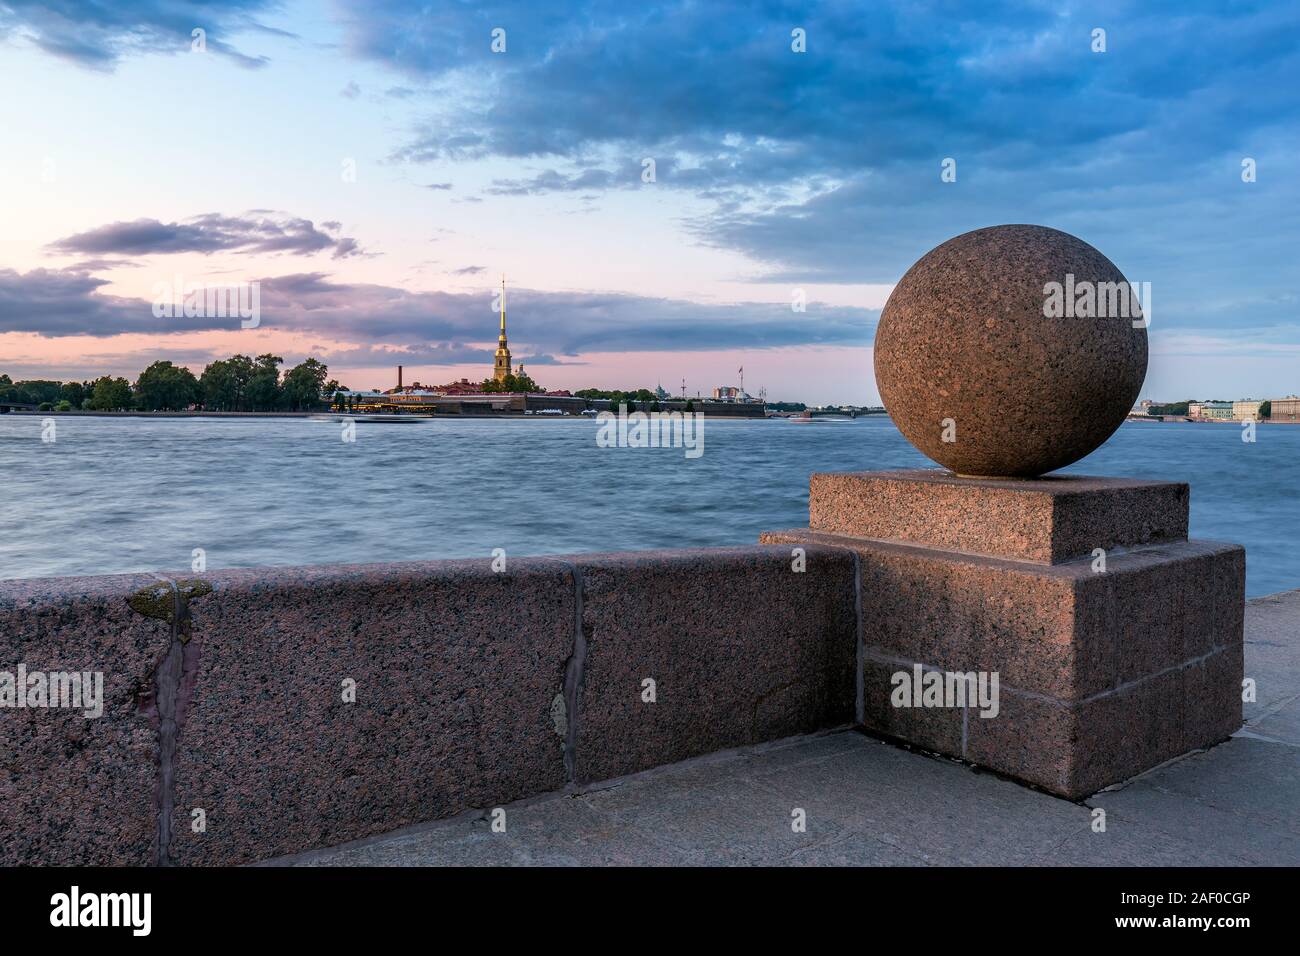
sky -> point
(376, 167)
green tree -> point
(167, 387)
(225, 384)
(110, 394)
(74, 393)
(32, 392)
(263, 394)
(303, 385)
(1265, 410)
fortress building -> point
(502, 367)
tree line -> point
(636, 399)
(236, 384)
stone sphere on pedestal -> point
(1010, 351)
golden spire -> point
(502, 366)
(503, 307)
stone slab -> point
(1101, 675)
(1224, 831)
(741, 648)
(73, 790)
(1272, 626)
(1046, 520)
(457, 670)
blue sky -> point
(129, 158)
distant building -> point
(1217, 411)
(1284, 409)
(1194, 409)
(463, 387)
(728, 393)
(1246, 410)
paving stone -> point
(1222, 834)
(1250, 778)
(1135, 846)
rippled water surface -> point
(130, 494)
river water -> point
(131, 494)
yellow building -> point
(1245, 411)
(502, 367)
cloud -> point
(825, 166)
(53, 303)
(441, 353)
(207, 234)
(351, 91)
(544, 359)
(56, 303)
(469, 271)
(98, 35)
(103, 265)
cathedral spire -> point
(503, 308)
(502, 367)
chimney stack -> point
(399, 376)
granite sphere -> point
(1010, 351)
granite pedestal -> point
(1116, 641)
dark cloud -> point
(824, 166)
(544, 359)
(90, 366)
(97, 34)
(441, 353)
(469, 271)
(209, 233)
(53, 303)
(58, 303)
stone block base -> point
(1100, 674)
(1047, 520)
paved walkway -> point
(875, 804)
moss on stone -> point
(154, 600)
(159, 602)
(192, 588)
